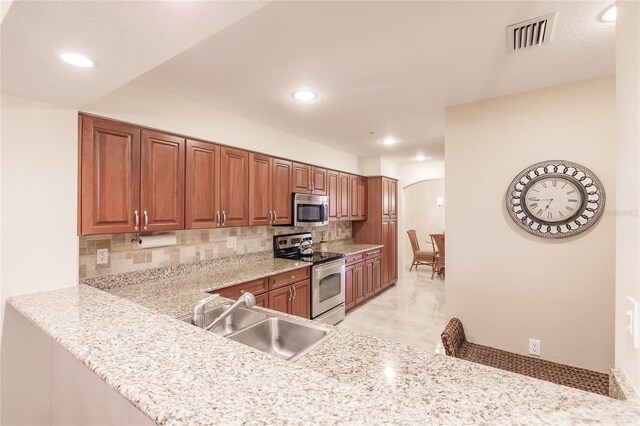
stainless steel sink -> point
(282, 338)
(240, 319)
(278, 336)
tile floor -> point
(412, 312)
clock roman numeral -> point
(539, 212)
(573, 200)
(534, 205)
(549, 215)
(569, 208)
(543, 184)
(554, 182)
(570, 192)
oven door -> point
(310, 210)
(327, 284)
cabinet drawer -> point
(355, 258)
(374, 253)
(286, 278)
(256, 287)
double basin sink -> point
(278, 336)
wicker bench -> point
(456, 345)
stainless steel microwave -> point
(310, 210)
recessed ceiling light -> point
(389, 141)
(610, 14)
(304, 95)
(76, 59)
(420, 158)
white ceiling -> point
(386, 67)
(124, 38)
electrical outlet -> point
(102, 256)
(534, 347)
(231, 242)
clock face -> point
(555, 199)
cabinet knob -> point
(293, 276)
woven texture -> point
(455, 344)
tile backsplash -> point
(192, 246)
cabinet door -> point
(369, 289)
(349, 296)
(362, 198)
(332, 193)
(262, 300)
(359, 280)
(353, 197)
(280, 299)
(281, 205)
(318, 181)
(162, 181)
(393, 198)
(386, 201)
(301, 301)
(234, 187)
(260, 190)
(377, 274)
(203, 185)
(343, 195)
(110, 176)
(301, 178)
(385, 253)
(393, 251)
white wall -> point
(508, 286)
(148, 106)
(39, 191)
(628, 182)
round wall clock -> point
(555, 199)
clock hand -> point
(550, 201)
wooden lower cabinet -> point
(262, 300)
(301, 300)
(294, 299)
(279, 299)
(362, 278)
(349, 297)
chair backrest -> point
(438, 242)
(414, 240)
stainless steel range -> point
(327, 275)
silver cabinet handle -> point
(217, 217)
(271, 216)
(137, 220)
(146, 220)
(224, 217)
(295, 292)
(290, 293)
(275, 216)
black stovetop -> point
(316, 258)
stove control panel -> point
(290, 241)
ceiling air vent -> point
(531, 33)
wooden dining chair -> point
(437, 241)
(420, 257)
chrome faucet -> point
(247, 299)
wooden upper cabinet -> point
(109, 176)
(353, 197)
(362, 198)
(318, 181)
(343, 196)
(162, 181)
(393, 198)
(301, 178)
(234, 187)
(281, 186)
(386, 197)
(260, 190)
(202, 204)
(333, 181)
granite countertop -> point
(178, 374)
(174, 290)
(348, 248)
